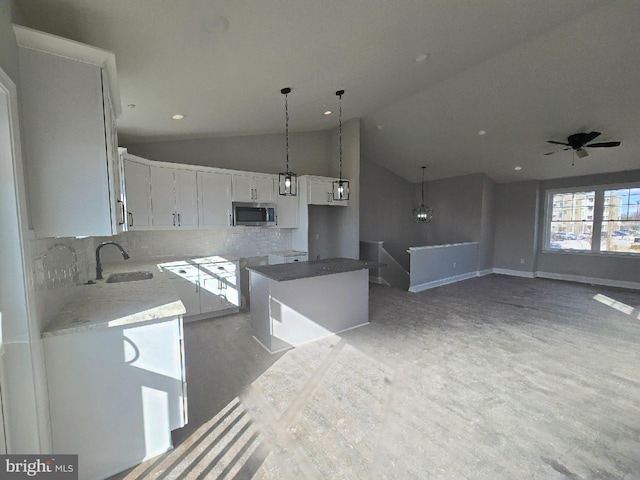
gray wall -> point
(309, 152)
(516, 217)
(385, 212)
(619, 268)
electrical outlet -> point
(317, 236)
(522, 261)
(454, 264)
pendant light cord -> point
(423, 169)
(339, 93)
(286, 128)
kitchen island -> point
(295, 303)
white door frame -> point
(22, 374)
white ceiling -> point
(524, 71)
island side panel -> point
(310, 308)
(259, 297)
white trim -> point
(486, 271)
(513, 273)
(378, 280)
(428, 247)
(590, 280)
(25, 397)
(443, 281)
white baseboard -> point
(482, 273)
(443, 281)
(590, 280)
(513, 273)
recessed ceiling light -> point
(131, 105)
(379, 127)
(421, 58)
(482, 132)
(328, 112)
(178, 116)
(517, 168)
(216, 24)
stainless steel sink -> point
(128, 277)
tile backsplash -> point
(236, 241)
(58, 264)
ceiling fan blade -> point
(590, 136)
(559, 150)
(604, 144)
(558, 143)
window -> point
(593, 220)
(620, 231)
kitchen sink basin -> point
(129, 277)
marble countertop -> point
(289, 253)
(444, 245)
(294, 271)
(104, 305)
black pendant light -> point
(288, 181)
(422, 213)
(340, 186)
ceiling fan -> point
(578, 142)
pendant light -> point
(340, 186)
(422, 213)
(287, 181)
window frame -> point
(596, 221)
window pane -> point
(621, 221)
(571, 222)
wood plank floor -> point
(491, 378)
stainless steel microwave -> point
(254, 214)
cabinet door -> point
(186, 199)
(163, 197)
(287, 209)
(137, 180)
(319, 192)
(243, 188)
(264, 188)
(214, 199)
(65, 152)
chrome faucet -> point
(125, 255)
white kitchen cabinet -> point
(254, 187)
(116, 393)
(174, 198)
(207, 286)
(70, 99)
(320, 192)
(214, 199)
(137, 182)
(287, 211)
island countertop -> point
(315, 268)
(103, 305)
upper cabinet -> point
(214, 199)
(137, 183)
(174, 198)
(320, 191)
(70, 100)
(254, 187)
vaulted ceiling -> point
(425, 76)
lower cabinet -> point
(207, 286)
(116, 393)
